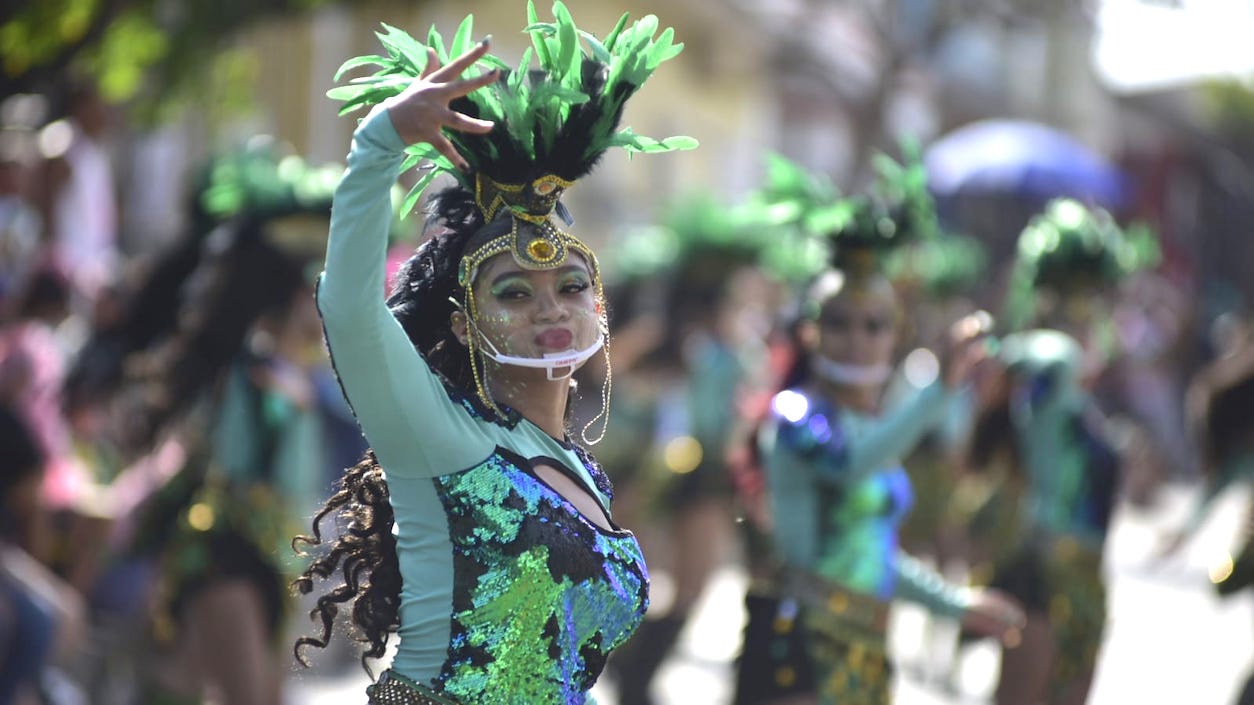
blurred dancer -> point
(1044, 440)
(838, 494)
(213, 355)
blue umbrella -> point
(1021, 158)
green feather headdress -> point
(292, 197)
(697, 226)
(1070, 248)
(855, 229)
(552, 124)
(944, 266)
(557, 120)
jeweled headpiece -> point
(552, 124)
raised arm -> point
(843, 448)
(394, 394)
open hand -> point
(993, 613)
(421, 111)
(966, 348)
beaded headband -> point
(542, 246)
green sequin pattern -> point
(540, 595)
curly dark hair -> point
(364, 552)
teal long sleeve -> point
(859, 445)
(399, 402)
(918, 583)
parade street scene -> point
(560, 352)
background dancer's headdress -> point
(257, 222)
(552, 126)
(854, 230)
(1070, 248)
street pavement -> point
(1169, 639)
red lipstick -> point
(554, 339)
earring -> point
(604, 414)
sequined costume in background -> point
(839, 497)
(837, 491)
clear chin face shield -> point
(570, 360)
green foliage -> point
(152, 54)
(797, 205)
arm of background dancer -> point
(394, 394)
(918, 583)
(886, 439)
(847, 449)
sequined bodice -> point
(838, 519)
(540, 593)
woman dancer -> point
(1040, 431)
(479, 530)
(837, 490)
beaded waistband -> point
(395, 689)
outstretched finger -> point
(433, 63)
(455, 67)
(443, 146)
(465, 123)
(466, 85)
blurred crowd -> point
(169, 420)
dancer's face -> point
(857, 325)
(531, 313)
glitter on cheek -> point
(500, 327)
(586, 325)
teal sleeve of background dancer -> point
(876, 443)
(918, 583)
(400, 404)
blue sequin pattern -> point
(541, 595)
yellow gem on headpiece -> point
(541, 250)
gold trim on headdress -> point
(534, 203)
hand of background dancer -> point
(966, 348)
(993, 613)
(419, 113)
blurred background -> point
(111, 109)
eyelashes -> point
(516, 290)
